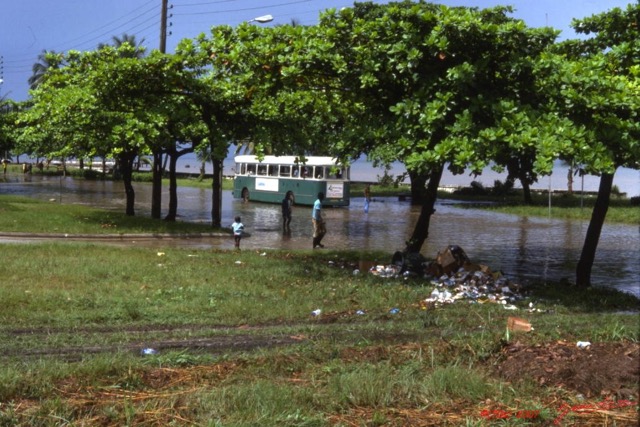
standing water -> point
(523, 248)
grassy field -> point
(95, 335)
(232, 341)
(25, 215)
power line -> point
(140, 21)
(154, 8)
(81, 41)
(217, 12)
(206, 3)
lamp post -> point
(262, 19)
(1, 70)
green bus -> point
(270, 179)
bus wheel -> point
(245, 194)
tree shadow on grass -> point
(590, 300)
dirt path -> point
(600, 370)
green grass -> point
(75, 317)
(620, 211)
(237, 344)
(23, 214)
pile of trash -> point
(388, 271)
(454, 278)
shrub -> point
(475, 189)
(502, 189)
(142, 177)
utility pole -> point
(156, 192)
(163, 26)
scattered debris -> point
(448, 261)
(516, 324)
(386, 271)
(453, 276)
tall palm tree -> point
(46, 60)
(129, 39)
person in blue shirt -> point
(238, 230)
(319, 229)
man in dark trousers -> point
(319, 229)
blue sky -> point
(27, 27)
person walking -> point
(367, 198)
(238, 231)
(319, 228)
(287, 209)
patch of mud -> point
(600, 370)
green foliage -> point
(502, 188)
(475, 189)
(142, 177)
(388, 180)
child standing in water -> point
(238, 230)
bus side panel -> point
(241, 182)
(305, 192)
(337, 193)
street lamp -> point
(262, 19)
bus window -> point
(319, 172)
(307, 171)
(296, 171)
(285, 170)
(243, 169)
(251, 169)
(273, 170)
(262, 169)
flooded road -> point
(521, 247)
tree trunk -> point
(570, 179)
(126, 168)
(588, 255)
(216, 202)
(418, 187)
(421, 230)
(202, 170)
(156, 189)
(526, 190)
(173, 188)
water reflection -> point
(522, 247)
